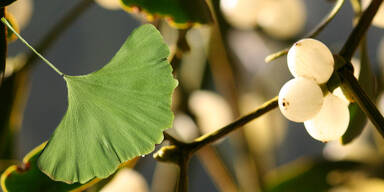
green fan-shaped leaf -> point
(27, 177)
(114, 114)
(180, 12)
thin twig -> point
(224, 69)
(182, 161)
(220, 61)
(19, 78)
(3, 46)
(336, 8)
(359, 31)
(356, 5)
(362, 99)
(58, 29)
(171, 139)
(182, 47)
(276, 55)
(216, 168)
(171, 153)
(212, 137)
(182, 184)
(4, 21)
(316, 31)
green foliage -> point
(114, 114)
(357, 122)
(181, 12)
(306, 175)
(28, 177)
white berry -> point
(331, 122)
(311, 59)
(300, 99)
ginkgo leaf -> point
(28, 177)
(182, 13)
(114, 114)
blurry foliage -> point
(31, 177)
(182, 13)
(304, 175)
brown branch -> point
(359, 31)
(348, 80)
(212, 137)
(172, 153)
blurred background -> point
(271, 141)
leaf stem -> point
(336, 8)
(30, 47)
(57, 30)
(59, 27)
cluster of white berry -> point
(301, 99)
